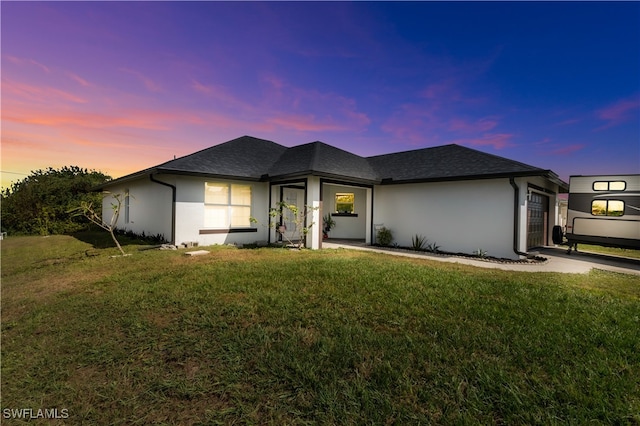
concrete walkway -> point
(557, 259)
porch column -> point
(522, 212)
(369, 217)
(314, 237)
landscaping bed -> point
(534, 259)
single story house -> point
(459, 198)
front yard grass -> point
(634, 254)
(273, 336)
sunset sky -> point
(122, 86)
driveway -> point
(557, 260)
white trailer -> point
(604, 210)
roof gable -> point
(245, 157)
(322, 159)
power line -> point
(14, 173)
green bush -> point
(384, 236)
(418, 242)
(38, 204)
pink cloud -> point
(451, 90)
(202, 88)
(569, 122)
(543, 141)
(444, 89)
(568, 149)
(149, 120)
(412, 125)
(480, 125)
(19, 141)
(436, 113)
(148, 83)
(81, 81)
(619, 112)
(349, 110)
(305, 123)
(274, 81)
(222, 94)
(42, 94)
(497, 141)
(415, 124)
(25, 61)
(323, 111)
(419, 125)
(93, 143)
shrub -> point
(384, 236)
(418, 242)
(480, 253)
(433, 248)
(39, 203)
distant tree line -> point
(39, 204)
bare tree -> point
(87, 210)
(298, 217)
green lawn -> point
(635, 254)
(274, 336)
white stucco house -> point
(460, 198)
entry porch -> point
(348, 204)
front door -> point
(292, 196)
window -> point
(616, 185)
(607, 208)
(126, 205)
(345, 202)
(227, 205)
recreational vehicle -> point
(604, 210)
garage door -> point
(537, 220)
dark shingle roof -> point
(448, 162)
(245, 157)
(321, 159)
(258, 159)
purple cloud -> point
(620, 112)
(477, 126)
(26, 61)
(151, 85)
(39, 93)
(496, 140)
(569, 122)
(569, 149)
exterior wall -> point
(190, 212)
(459, 216)
(149, 208)
(346, 226)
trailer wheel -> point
(557, 235)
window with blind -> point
(227, 205)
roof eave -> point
(563, 187)
(207, 175)
(300, 174)
(544, 173)
(166, 171)
(123, 179)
